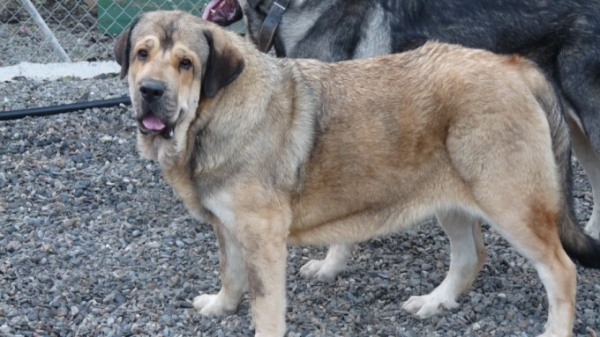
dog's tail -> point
(581, 248)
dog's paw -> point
(548, 333)
(212, 305)
(428, 305)
(321, 270)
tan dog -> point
(275, 152)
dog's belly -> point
(368, 209)
(361, 226)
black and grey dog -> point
(563, 37)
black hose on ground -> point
(58, 109)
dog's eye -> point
(142, 54)
(185, 64)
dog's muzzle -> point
(151, 92)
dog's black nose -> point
(152, 90)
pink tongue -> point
(151, 122)
(223, 12)
(210, 6)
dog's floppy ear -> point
(224, 65)
(123, 48)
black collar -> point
(269, 26)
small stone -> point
(13, 246)
(32, 316)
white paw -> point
(212, 305)
(321, 270)
(558, 328)
(428, 305)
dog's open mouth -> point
(222, 12)
(150, 123)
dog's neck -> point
(274, 118)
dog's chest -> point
(178, 176)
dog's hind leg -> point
(232, 272)
(525, 205)
(590, 161)
(467, 255)
(334, 263)
(535, 235)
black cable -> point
(58, 109)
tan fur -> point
(304, 152)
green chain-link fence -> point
(77, 30)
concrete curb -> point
(53, 71)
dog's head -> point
(173, 60)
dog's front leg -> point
(263, 241)
(232, 272)
(259, 220)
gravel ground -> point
(94, 243)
